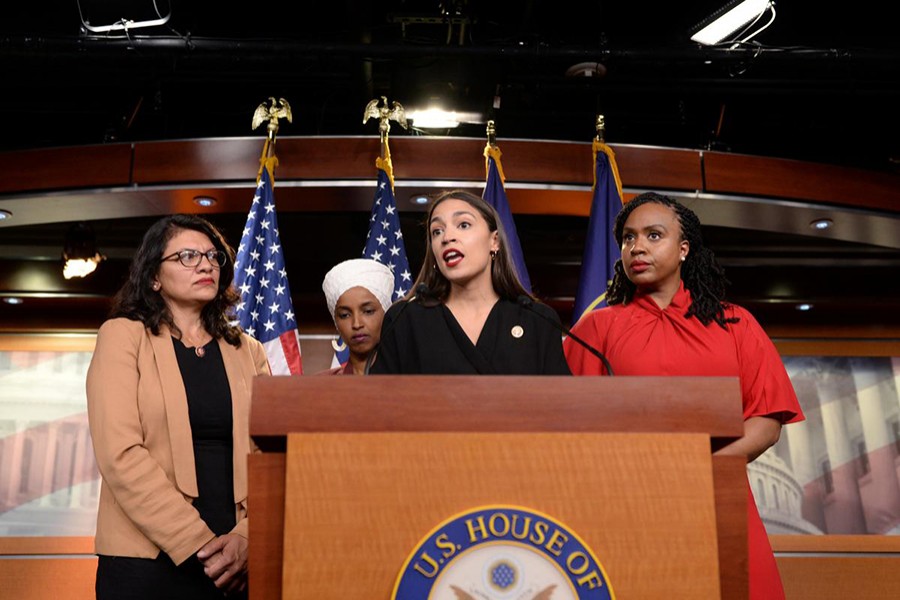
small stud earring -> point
(682, 258)
(493, 254)
(156, 286)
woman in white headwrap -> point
(358, 293)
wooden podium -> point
(355, 471)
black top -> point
(209, 408)
(429, 340)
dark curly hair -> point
(137, 301)
(503, 272)
(701, 273)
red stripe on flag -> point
(291, 347)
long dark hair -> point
(137, 300)
(701, 273)
(503, 274)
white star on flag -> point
(260, 302)
(384, 224)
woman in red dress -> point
(667, 316)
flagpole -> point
(495, 195)
(599, 145)
(385, 114)
(265, 310)
(271, 111)
(600, 249)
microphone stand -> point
(528, 302)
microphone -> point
(422, 291)
(528, 302)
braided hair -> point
(701, 273)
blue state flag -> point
(495, 195)
(265, 310)
(384, 243)
(600, 247)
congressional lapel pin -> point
(517, 331)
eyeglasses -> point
(191, 258)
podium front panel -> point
(357, 504)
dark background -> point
(820, 84)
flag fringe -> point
(599, 146)
(385, 164)
(267, 162)
(493, 151)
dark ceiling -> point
(821, 84)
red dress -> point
(642, 339)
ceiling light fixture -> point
(804, 307)
(80, 252)
(586, 69)
(13, 300)
(150, 9)
(734, 19)
(821, 224)
(419, 199)
(205, 201)
(5, 214)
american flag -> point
(265, 310)
(384, 243)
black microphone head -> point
(422, 290)
(525, 300)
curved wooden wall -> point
(235, 160)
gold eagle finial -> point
(385, 114)
(601, 128)
(272, 111)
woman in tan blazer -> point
(168, 403)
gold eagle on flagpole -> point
(272, 111)
(385, 114)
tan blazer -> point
(138, 415)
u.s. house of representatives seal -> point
(502, 553)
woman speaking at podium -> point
(468, 313)
(168, 394)
(667, 316)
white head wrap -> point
(358, 272)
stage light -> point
(80, 252)
(437, 118)
(734, 19)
